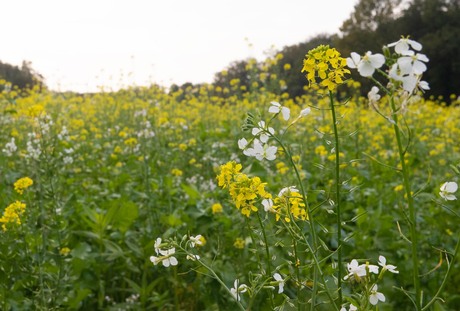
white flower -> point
(157, 245)
(280, 281)
(196, 240)
(373, 95)
(276, 108)
(268, 205)
(168, 259)
(358, 271)
(352, 308)
(367, 65)
(402, 46)
(376, 296)
(260, 131)
(192, 257)
(447, 189)
(305, 112)
(10, 148)
(237, 289)
(412, 64)
(242, 143)
(383, 263)
(287, 190)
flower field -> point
(144, 199)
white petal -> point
(365, 69)
(305, 112)
(451, 186)
(277, 277)
(242, 143)
(418, 67)
(415, 45)
(377, 60)
(382, 260)
(274, 109)
(173, 261)
(286, 113)
(275, 104)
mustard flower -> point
(227, 172)
(366, 65)
(12, 214)
(279, 279)
(23, 183)
(216, 208)
(375, 296)
(403, 45)
(166, 258)
(277, 108)
(261, 152)
(351, 308)
(10, 148)
(262, 130)
(268, 205)
(355, 270)
(373, 95)
(385, 267)
(237, 289)
(196, 240)
(324, 63)
(447, 190)
(192, 257)
(413, 64)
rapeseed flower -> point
(23, 183)
(12, 214)
(324, 63)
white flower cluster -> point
(165, 256)
(33, 147)
(10, 148)
(406, 70)
(262, 132)
(357, 271)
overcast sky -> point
(80, 45)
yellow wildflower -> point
(12, 213)
(23, 183)
(216, 208)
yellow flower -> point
(239, 243)
(64, 251)
(176, 172)
(12, 213)
(324, 63)
(216, 208)
(23, 183)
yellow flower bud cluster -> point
(245, 191)
(12, 213)
(324, 63)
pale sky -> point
(81, 45)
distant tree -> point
(21, 77)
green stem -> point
(310, 221)
(337, 190)
(267, 254)
(412, 212)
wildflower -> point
(291, 202)
(412, 64)
(383, 263)
(237, 289)
(324, 63)
(216, 208)
(23, 183)
(157, 245)
(280, 282)
(402, 45)
(262, 131)
(64, 251)
(176, 172)
(167, 258)
(239, 243)
(242, 143)
(351, 308)
(12, 214)
(227, 172)
(355, 270)
(277, 108)
(367, 65)
(373, 95)
(261, 152)
(447, 189)
(375, 296)
(268, 205)
(287, 191)
(10, 148)
(192, 257)
(305, 112)
(196, 240)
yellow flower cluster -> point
(245, 191)
(290, 202)
(23, 183)
(326, 64)
(12, 213)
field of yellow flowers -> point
(94, 190)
